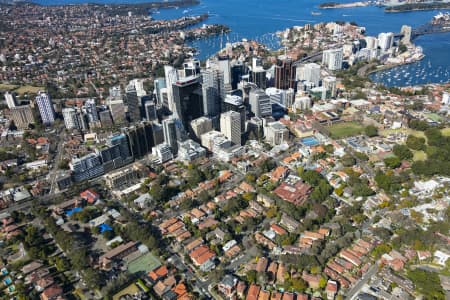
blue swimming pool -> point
(70, 212)
(310, 141)
(105, 227)
(7, 281)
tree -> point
(427, 283)
(392, 162)
(403, 152)
(371, 131)
(381, 249)
(299, 284)
(348, 160)
(415, 143)
(251, 276)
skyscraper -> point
(332, 59)
(284, 73)
(71, 118)
(171, 77)
(140, 138)
(329, 83)
(385, 40)
(230, 126)
(200, 126)
(45, 106)
(22, 116)
(188, 100)
(159, 84)
(259, 77)
(224, 66)
(10, 100)
(309, 72)
(150, 110)
(260, 103)
(191, 67)
(236, 104)
(211, 81)
(91, 111)
(170, 134)
(133, 103)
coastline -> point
(335, 5)
(417, 7)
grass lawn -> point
(446, 132)
(131, 290)
(28, 89)
(146, 263)
(434, 117)
(345, 129)
(419, 155)
(7, 87)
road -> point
(358, 286)
(59, 152)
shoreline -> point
(141, 5)
(335, 5)
(417, 7)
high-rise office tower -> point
(256, 62)
(132, 98)
(191, 67)
(45, 106)
(170, 134)
(224, 66)
(200, 126)
(150, 110)
(237, 71)
(10, 100)
(230, 126)
(158, 134)
(117, 110)
(235, 103)
(284, 73)
(138, 85)
(188, 100)
(159, 84)
(22, 116)
(332, 59)
(211, 90)
(140, 138)
(309, 72)
(260, 103)
(258, 77)
(91, 111)
(171, 77)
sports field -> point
(146, 263)
(345, 129)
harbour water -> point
(261, 19)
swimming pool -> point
(7, 281)
(310, 141)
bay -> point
(261, 19)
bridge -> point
(311, 57)
(427, 28)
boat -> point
(316, 13)
(185, 11)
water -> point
(261, 19)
